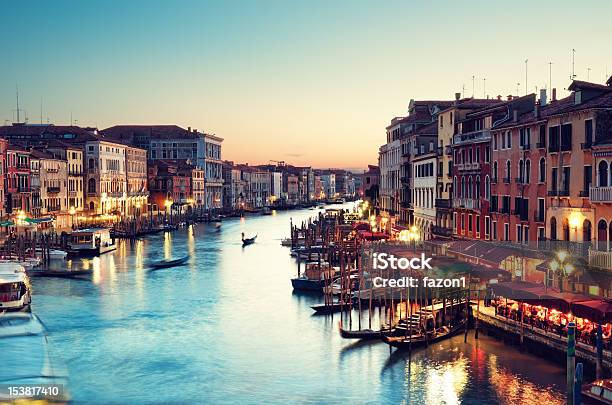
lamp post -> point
(167, 204)
(72, 212)
(561, 267)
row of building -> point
(518, 169)
(124, 171)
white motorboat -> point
(15, 288)
(92, 241)
(54, 254)
(27, 360)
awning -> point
(372, 235)
(361, 226)
(599, 311)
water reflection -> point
(226, 327)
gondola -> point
(162, 264)
(330, 308)
(421, 338)
(364, 334)
(59, 273)
(248, 241)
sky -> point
(306, 82)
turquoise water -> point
(227, 328)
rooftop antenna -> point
(588, 73)
(518, 86)
(573, 64)
(550, 76)
(41, 115)
(17, 93)
(484, 87)
(473, 77)
(526, 91)
(463, 90)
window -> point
(487, 157)
(495, 171)
(540, 213)
(487, 187)
(566, 137)
(477, 225)
(509, 141)
(525, 233)
(508, 172)
(588, 132)
(553, 139)
(541, 233)
(506, 231)
(519, 233)
(470, 223)
(527, 171)
(494, 233)
(553, 228)
(542, 171)
(521, 171)
(542, 136)
(487, 227)
(494, 141)
(588, 179)
(602, 171)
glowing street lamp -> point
(72, 213)
(561, 267)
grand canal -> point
(226, 328)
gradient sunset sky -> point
(305, 82)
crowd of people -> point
(552, 320)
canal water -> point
(227, 328)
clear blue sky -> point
(307, 82)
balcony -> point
(53, 208)
(600, 259)
(468, 203)
(24, 189)
(53, 190)
(467, 166)
(441, 231)
(444, 203)
(601, 194)
(526, 146)
(563, 193)
(471, 137)
(75, 172)
(405, 179)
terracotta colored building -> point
(167, 183)
(18, 186)
(3, 147)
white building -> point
(213, 172)
(106, 185)
(425, 175)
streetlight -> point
(167, 204)
(561, 267)
(72, 213)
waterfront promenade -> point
(226, 328)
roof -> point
(150, 131)
(41, 154)
(428, 129)
(40, 130)
(582, 85)
(474, 103)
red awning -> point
(372, 235)
(361, 226)
(599, 311)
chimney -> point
(536, 110)
(188, 129)
(509, 97)
(554, 94)
(499, 97)
(543, 97)
(457, 96)
(515, 115)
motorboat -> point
(27, 360)
(15, 288)
(54, 254)
(27, 262)
(597, 393)
(91, 241)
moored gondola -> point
(364, 334)
(163, 264)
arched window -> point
(92, 164)
(586, 231)
(508, 171)
(487, 187)
(553, 228)
(527, 171)
(469, 190)
(477, 188)
(521, 171)
(566, 229)
(495, 171)
(92, 206)
(455, 189)
(542, 171)
(602, 235)
(603, 173)
(91, 186)
(463, 186)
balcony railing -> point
(601, 194)
(468, 203)
(473, 136)
(441, 231)
(600, 259)
(53, 189)
(444, 203)
(467, 166)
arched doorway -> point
(566, 229)
(603, 173)
(602, 235)
(586, 231)
(92, 206)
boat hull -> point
(307, 285)
(419, 340)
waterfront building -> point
(169, 186)
(447, 128)
(424, 191)
(233, 186)
(49, 174)
(3, 181)
(472, 169)
(260, 187)
(518, 147)
(276, 183)
(73, 155)
(328, 184)
(369, 185)
(18, 180)
(291, 188)
(136, 178)
(106, 181)
(213, 175)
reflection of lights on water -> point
(445, 384)
(242, 219)
(94, 264)
(167, 245)
(273, 212)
